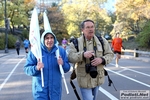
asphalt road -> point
(131, 76)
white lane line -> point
(128, 78)
(107, 94)
(137, 72)
(10, 74)
(133, 71)
(122, 70)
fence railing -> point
(136, 52)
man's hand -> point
(88, 54)
(96, 61)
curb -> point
(10, 51)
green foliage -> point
(17, 13)
(25, 34)
(2, 39)
(56, 20)
(144, 37)
(79, 10)
(131, 16)
(11, 41)
(131, 44)
(18, 10)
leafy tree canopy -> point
(78, 10)
(132, 16)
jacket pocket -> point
(99, 51)
(100, 78)
(82, 80)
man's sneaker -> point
(116, 65)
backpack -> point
(75, 42)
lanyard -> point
(94, 45)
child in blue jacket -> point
(52, 77)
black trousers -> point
(18, 49)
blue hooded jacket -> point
(52, 77)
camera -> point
(92, 70)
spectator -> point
(90, 56)
(64, 43)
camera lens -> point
(93, 72)
(87, 68)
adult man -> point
(90, 47)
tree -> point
(78, 10)
(144, 36)
(18, 14)
(131, 16)
(56, 20)
(2, 22)
(20, 10)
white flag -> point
(46, 23)
(34, 38)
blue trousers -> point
(89, 93)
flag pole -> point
(42, 77)
(61, 69)
(63, 77)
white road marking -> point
(132, 70)
(1, 86)
(128, 78)
(122, 70)
(118, 73)
(107, 94)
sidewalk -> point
(144, 59)
(10, 51)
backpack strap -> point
(102, 42)
(105, 71)
(75, 91)
(73, 75)
(75, 42)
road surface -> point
(132, 76)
